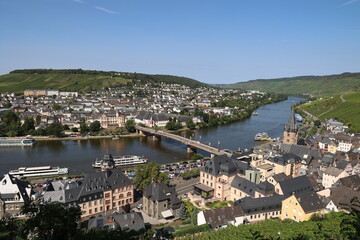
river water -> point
(79, 155)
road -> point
(309, 114)
(184, 186)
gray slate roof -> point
(309, 201)
(296, 185)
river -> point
(79, 155)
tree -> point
(74, 129)
(147, 173)
(95, 126)
(130, 126)
(7, 105)
(350, 225)
(317, 123)
(56, 107)
(55, 129)
(190, 124)
(51, 221)
(182, 212)
(28, 124)
(84, 129)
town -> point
(294, 177)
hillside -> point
(345, 108)
(315, 85)
(80, 80)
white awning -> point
(167, 213)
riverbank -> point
(47, 138)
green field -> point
(81, 80)
(18, 82)
(347, 112)
(315, 85)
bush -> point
(191, 230)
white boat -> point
(119, 161)
(261, 136)
(38, 171)
(28, 141)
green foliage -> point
(74, 129)
(10, 125)
(56, 106)
(190, 124)
(173, 124)
(197, 156)
(350, 225)
(95, 126)
(84, 129)
(130, 126)
(28, 125)
(329, 228)
(317, 123)
(333, 107)
(191, 230)
(183, 212)
(147, 173)
(218, 204)
(55, 129)
(82, 80)
(52, 221)
(192, 173)
(316, 85)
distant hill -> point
(315, 85)
(81, 80)
(345, 108)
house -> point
(241, 188)
(335, 126)
(352, 182)
(300, 207)
(96, 193)
(287, 163)
(331, 175)
(221, 217)
(259, 209)
(218, 173)
(293, 186)
(340, 198)
(14, 194)
(274, 179)
(127, 221)
(160, 201)
(112, 120)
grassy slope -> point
(56, 79)
(317, 85)
(332, 107)
(17, 82)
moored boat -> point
(119, 161)
(261, 136)
(28, 141)
(29, 172)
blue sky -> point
(211, 41)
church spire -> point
(291, 126)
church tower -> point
(291, 130)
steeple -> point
(291, 126)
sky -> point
(213, 41)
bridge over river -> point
(192, 145)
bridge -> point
(192, 145)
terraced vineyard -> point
(345, 109)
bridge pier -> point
(191, 150)
(212, 155)
(156, 138)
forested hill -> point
(81, 80)
(316, 85)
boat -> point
(28, 141)
(30, 172)
(119, 161)
(255, 113)
(261, 136)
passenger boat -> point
(261, 136)
(28, 141)
(38, 171)
(255, 113)
(119, 161)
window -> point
(95, 210)
(165, 205)
(107, 195)
(90, 211)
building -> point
(128, 221)
(291, 130)
(259, 209)
(221, 217)
(160, 201)
(331, 175)
(14, 194)
(112, 120)
(291, 186)
(35, 92)
(97, 192)
(218, 173)
(300, 207)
